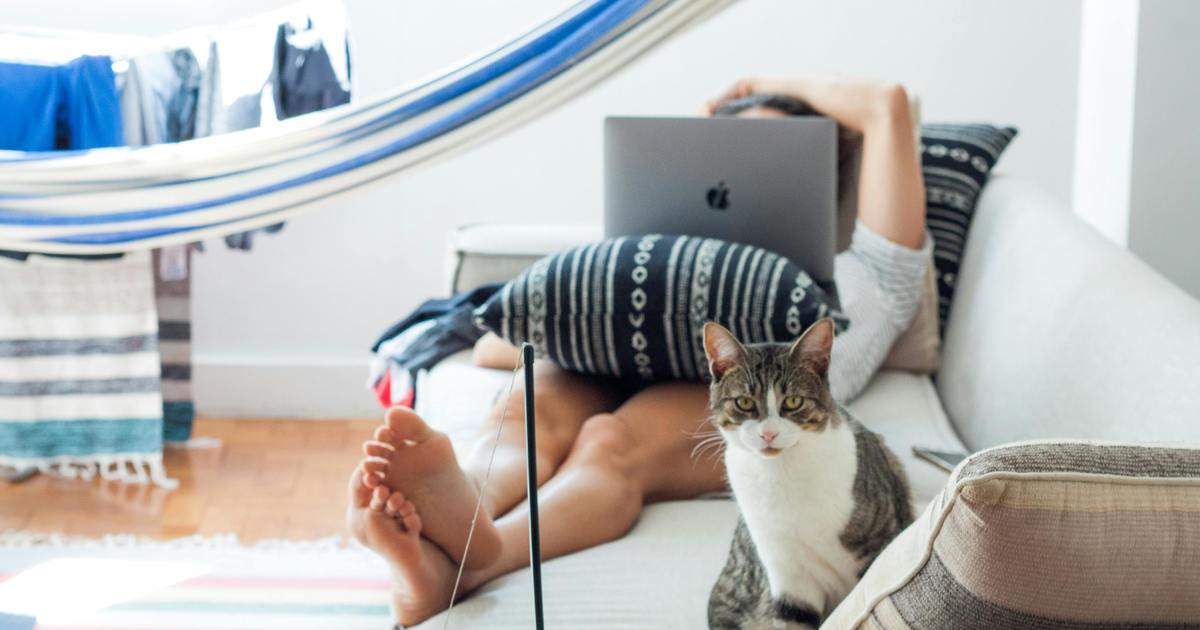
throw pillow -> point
(955, 162)
(1045, 535)
(635, 307)
(919, 348)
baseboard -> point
(226, 387)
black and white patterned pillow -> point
(955, 163)
(634, 307)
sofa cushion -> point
(1045, 535)
(634, 307)
(484, 253)
(659, 575)
(955, 162)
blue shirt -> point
(72, 106)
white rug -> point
(194, 583)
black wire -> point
(535, 542)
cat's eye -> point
(792, 403)
(745, 403)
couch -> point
(1054, 332)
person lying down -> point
(604, 449)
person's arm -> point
(891, 194)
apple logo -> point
(718, 196)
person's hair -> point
(849, 141)
(784, 104)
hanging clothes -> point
(283, 70)
(304, 75)
(159, 93)
(34, 97)
(69, 106)
(237, 70)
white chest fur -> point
(796, 506)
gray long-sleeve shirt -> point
(879, 284)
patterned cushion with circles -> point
(634, 307)
(956, 160)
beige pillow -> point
(919, 349)
(1052, 534)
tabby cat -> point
(820, 495)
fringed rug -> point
(195, 583)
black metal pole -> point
(535, 538)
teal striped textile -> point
(80, 377)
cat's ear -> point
(723, 350)
(813, 348)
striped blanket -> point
(80, 386)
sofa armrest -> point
(1057, 332)
(488, 252)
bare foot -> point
(414, 459)
(383, 521)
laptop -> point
(768, 182)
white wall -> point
(285, 330)
(1137, 141)
(1164, 221)
(1104, 120)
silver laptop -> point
(770, 182)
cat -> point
(820, 495)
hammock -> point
(128, 199)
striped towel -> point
(79, 368)
(173, 297)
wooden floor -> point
(268, 479)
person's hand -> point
(853, 103)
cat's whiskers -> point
(704, 430)
(712, 444)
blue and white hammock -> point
(128, 199)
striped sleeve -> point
(879, 283)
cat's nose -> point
(769, 436)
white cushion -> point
(660, 574)
(484, 253)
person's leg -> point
(645, 451)
(390, 525)
(562, 401)
(641, 452)
(414, 459)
